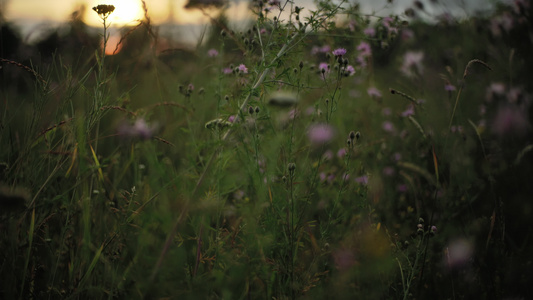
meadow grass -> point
(322, 154)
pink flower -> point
(341, 153)
(449, 87)
(388, 171)
(231, 118)
(362, 180)
(510, 120)
(402, 188)
(370, 31)
(139, 129)
(348, 71)
(388, 126)
(458, 253)
(319, 134)
(409, 111)
(212, 53)
(373, 92)
(227, 71)
(242, 69)
(364, 50)
(323, 67)
(412, 63)
(339, 52)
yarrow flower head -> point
(339, 52)
(104, 10)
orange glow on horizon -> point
(112, 47)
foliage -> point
(320, 154)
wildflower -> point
(374, 92)
(388, 171)
(433, 230)
(227, 71)
(496, 89)
(344, 259)
(510, 120)
(339, 52)
(323, 67)
(362, 180)
(242, 69)
(370, 31)
(231, 118)
(212, 53)
(449, 87)
(409, 111)
(104, 10)
(348, 71)
(412, 63)
(319, 134)
(388, 126)
(458, 253)
(402, 188)
(139, 129)
(364, 49)
(341, 153)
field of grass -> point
(324, 154)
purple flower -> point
(409, 111)
(212, 53)
(325, 49)
(412, 63)
(323, 66)
(458, 253)
(364, 50)
(339, 52)
(341, 153)
(370, 31)
(449, 87)
(242, 69)
(139, 129)
(190, 87)
(510, 120)
(319, 134)
(231, 118)
(349, 70)
(227, 71)
(362, 180)
(388, 126)
(373, 92)
(402, 188)
(388, 171)
(397, 156)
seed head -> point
(104, 10)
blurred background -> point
(33, 18)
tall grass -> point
(270, 163)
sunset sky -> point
(160, 10)
(33, 16)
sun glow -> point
(126, 12)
